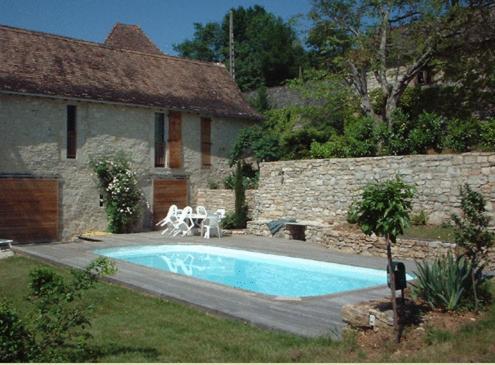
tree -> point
(267, 48)
(393, 40)
(472, 234)
(384, 211)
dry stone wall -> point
(322, 190)
(214, 199)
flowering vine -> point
(121, 194)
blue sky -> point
(165, 21)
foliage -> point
(212, 184)
(444, 283)
(395, 138)
(487, 135)
(260, 99)
(461, 135)
(391, 40)
(384, 208)
(472, 234)
(264, 145)
(471, 230)
(239, 217)
(359, 140)
(249, 182)
(119, 186)
(58, 331)
(267, 50)
(419, 219)
(16, 342)
(427, 133)
(327, 99)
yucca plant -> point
(444, 283)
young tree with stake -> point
(384, 211)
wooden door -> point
(29, 209)
(165, 193)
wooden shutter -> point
(205, 142)
(71, 131)
(159, 140)
(175, 140)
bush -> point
(58, 331)
(335, 148)
(445, 283)
(472, 233)
(487, 136)
(419, 219)
(119, 186)
(427, 133)
(462, 135)
(359, 140)
(395, 141)
(16, 342)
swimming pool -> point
(275, 275)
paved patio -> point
(314, 316)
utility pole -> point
(231, 45)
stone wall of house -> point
(33, 131)
(214, 199)
(322, 190)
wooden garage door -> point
(165, 193)
(29, 209)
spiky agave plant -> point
(444, 283)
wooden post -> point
(392, 288)
(231, 45)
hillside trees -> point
(267, 49)
(392, 40)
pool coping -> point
(308, 316)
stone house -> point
(64, 101)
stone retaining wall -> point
(359, 243)
(322, 190)
(214, 199)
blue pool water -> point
(258, 272)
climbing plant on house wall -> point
(121, 194)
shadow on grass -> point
(93, 353)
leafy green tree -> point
(392, 40)
(267, 50)
(472, 234)
(384, 210)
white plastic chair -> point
(211, 222)
(169, 219)
(184, 223)
(220, 213)
(201, 214)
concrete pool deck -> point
(315, 316)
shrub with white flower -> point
(119, 186)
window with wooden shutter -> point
(71, 131)
(205, 142)
(159, 140)
(174, 140)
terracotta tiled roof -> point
(130, 37)
(46, 64)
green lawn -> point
(430, 233)
(132, 327)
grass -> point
(430, 233)
(131, 327)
